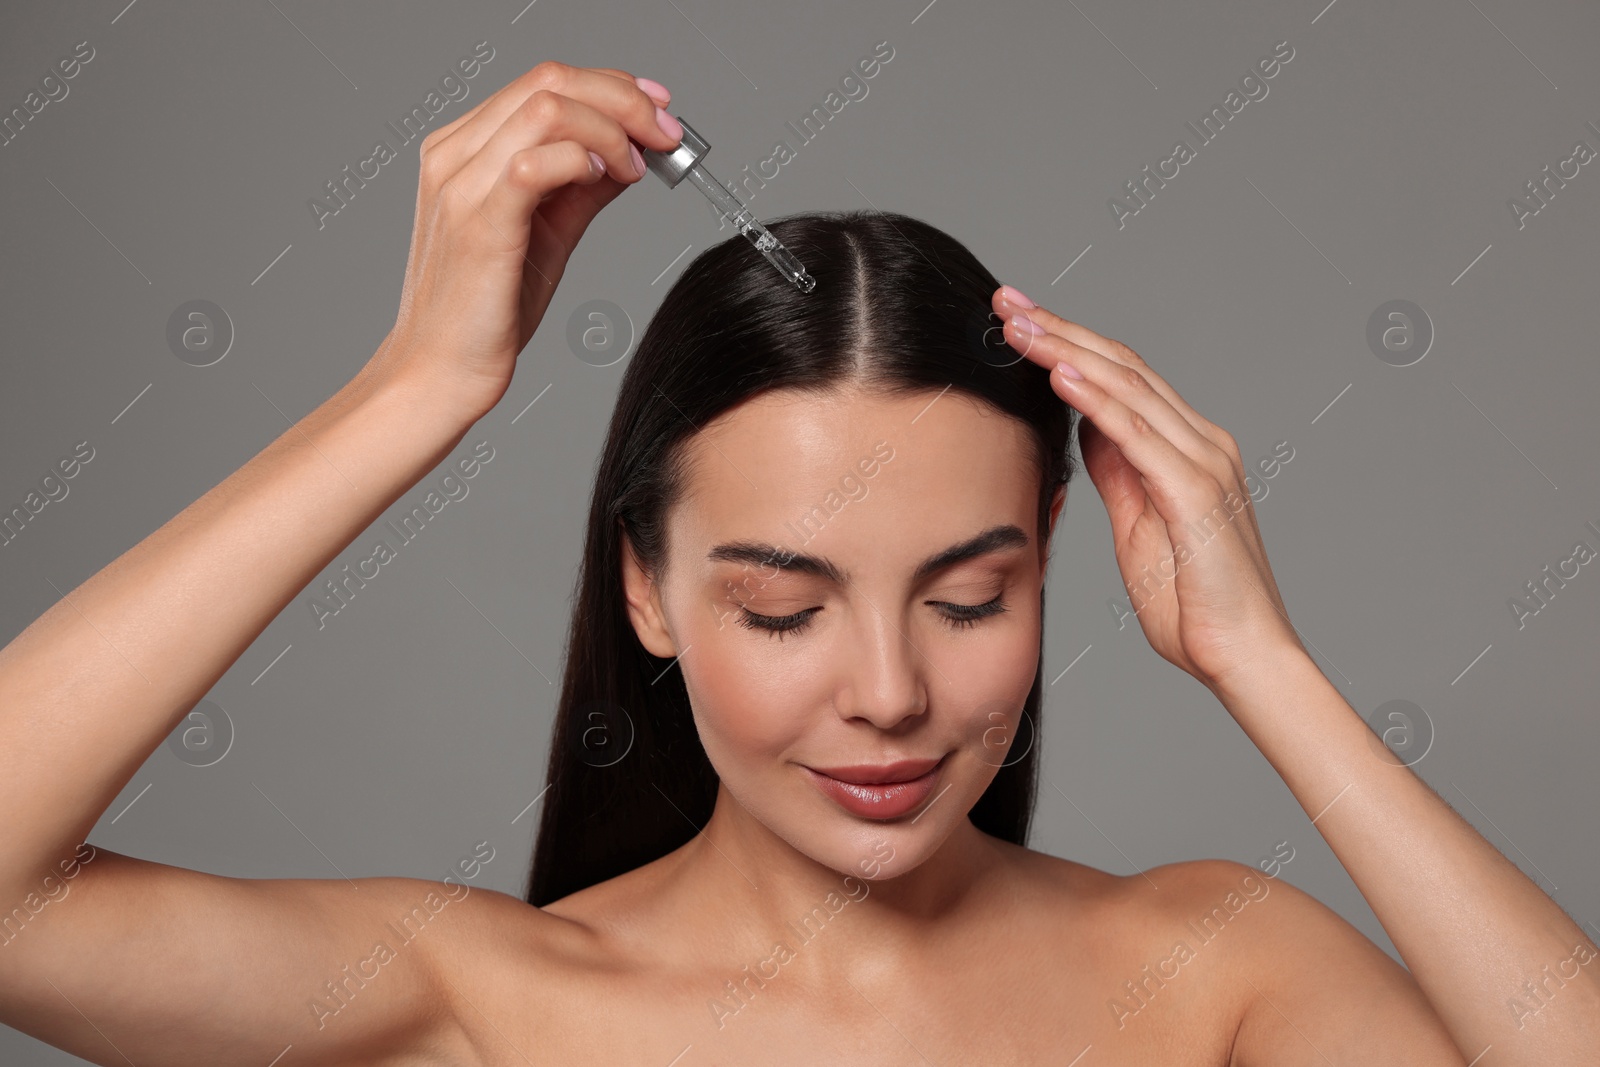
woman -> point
(786, 820)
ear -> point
(1055, 513)
(1055, 509)
(644, 604)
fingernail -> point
(1025, 324)
(597, 166)
(1067, 370)
(669, 125)
(638, 160)
(1016, 296)
(654, 89)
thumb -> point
(570, 209)
(1119, 482)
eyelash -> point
(966, 615)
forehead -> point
(855, 475)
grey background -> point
(415, 723)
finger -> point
(546, 117)
(568, 211)
(499, 102)
(527, 176)
(1112, 350)
(496, 104)
(1114, 476)
(1179, 484)
(613, 92)
(661, 101)
(1131, 387)
(511, 87)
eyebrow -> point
(760, 553)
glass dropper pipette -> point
(686, 161)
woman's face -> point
(853, 581)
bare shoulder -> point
(540, 985)
(493, 933)
(1297, 981)
(1215, 889)
(1138, 917)
(1166, 890)
(500, 966)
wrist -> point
(1266, 679)
(395, 381)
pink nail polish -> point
(638, 160)
(1025, 324)
(654, 89)
(1067, 370)
(669, 125)
(1016, 296)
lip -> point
(881, 773)
(885, 791)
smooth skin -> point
(970, 950)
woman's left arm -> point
(1477, 935)
(1503, 966)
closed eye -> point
(957, 616)
(961, 616)
(776, 624)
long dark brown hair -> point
(899, 307)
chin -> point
(870, 852)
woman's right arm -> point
(158, 963)
(117, 959)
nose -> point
(884, 674)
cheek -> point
(750, 702)
(991, 680)
(1000, 654)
